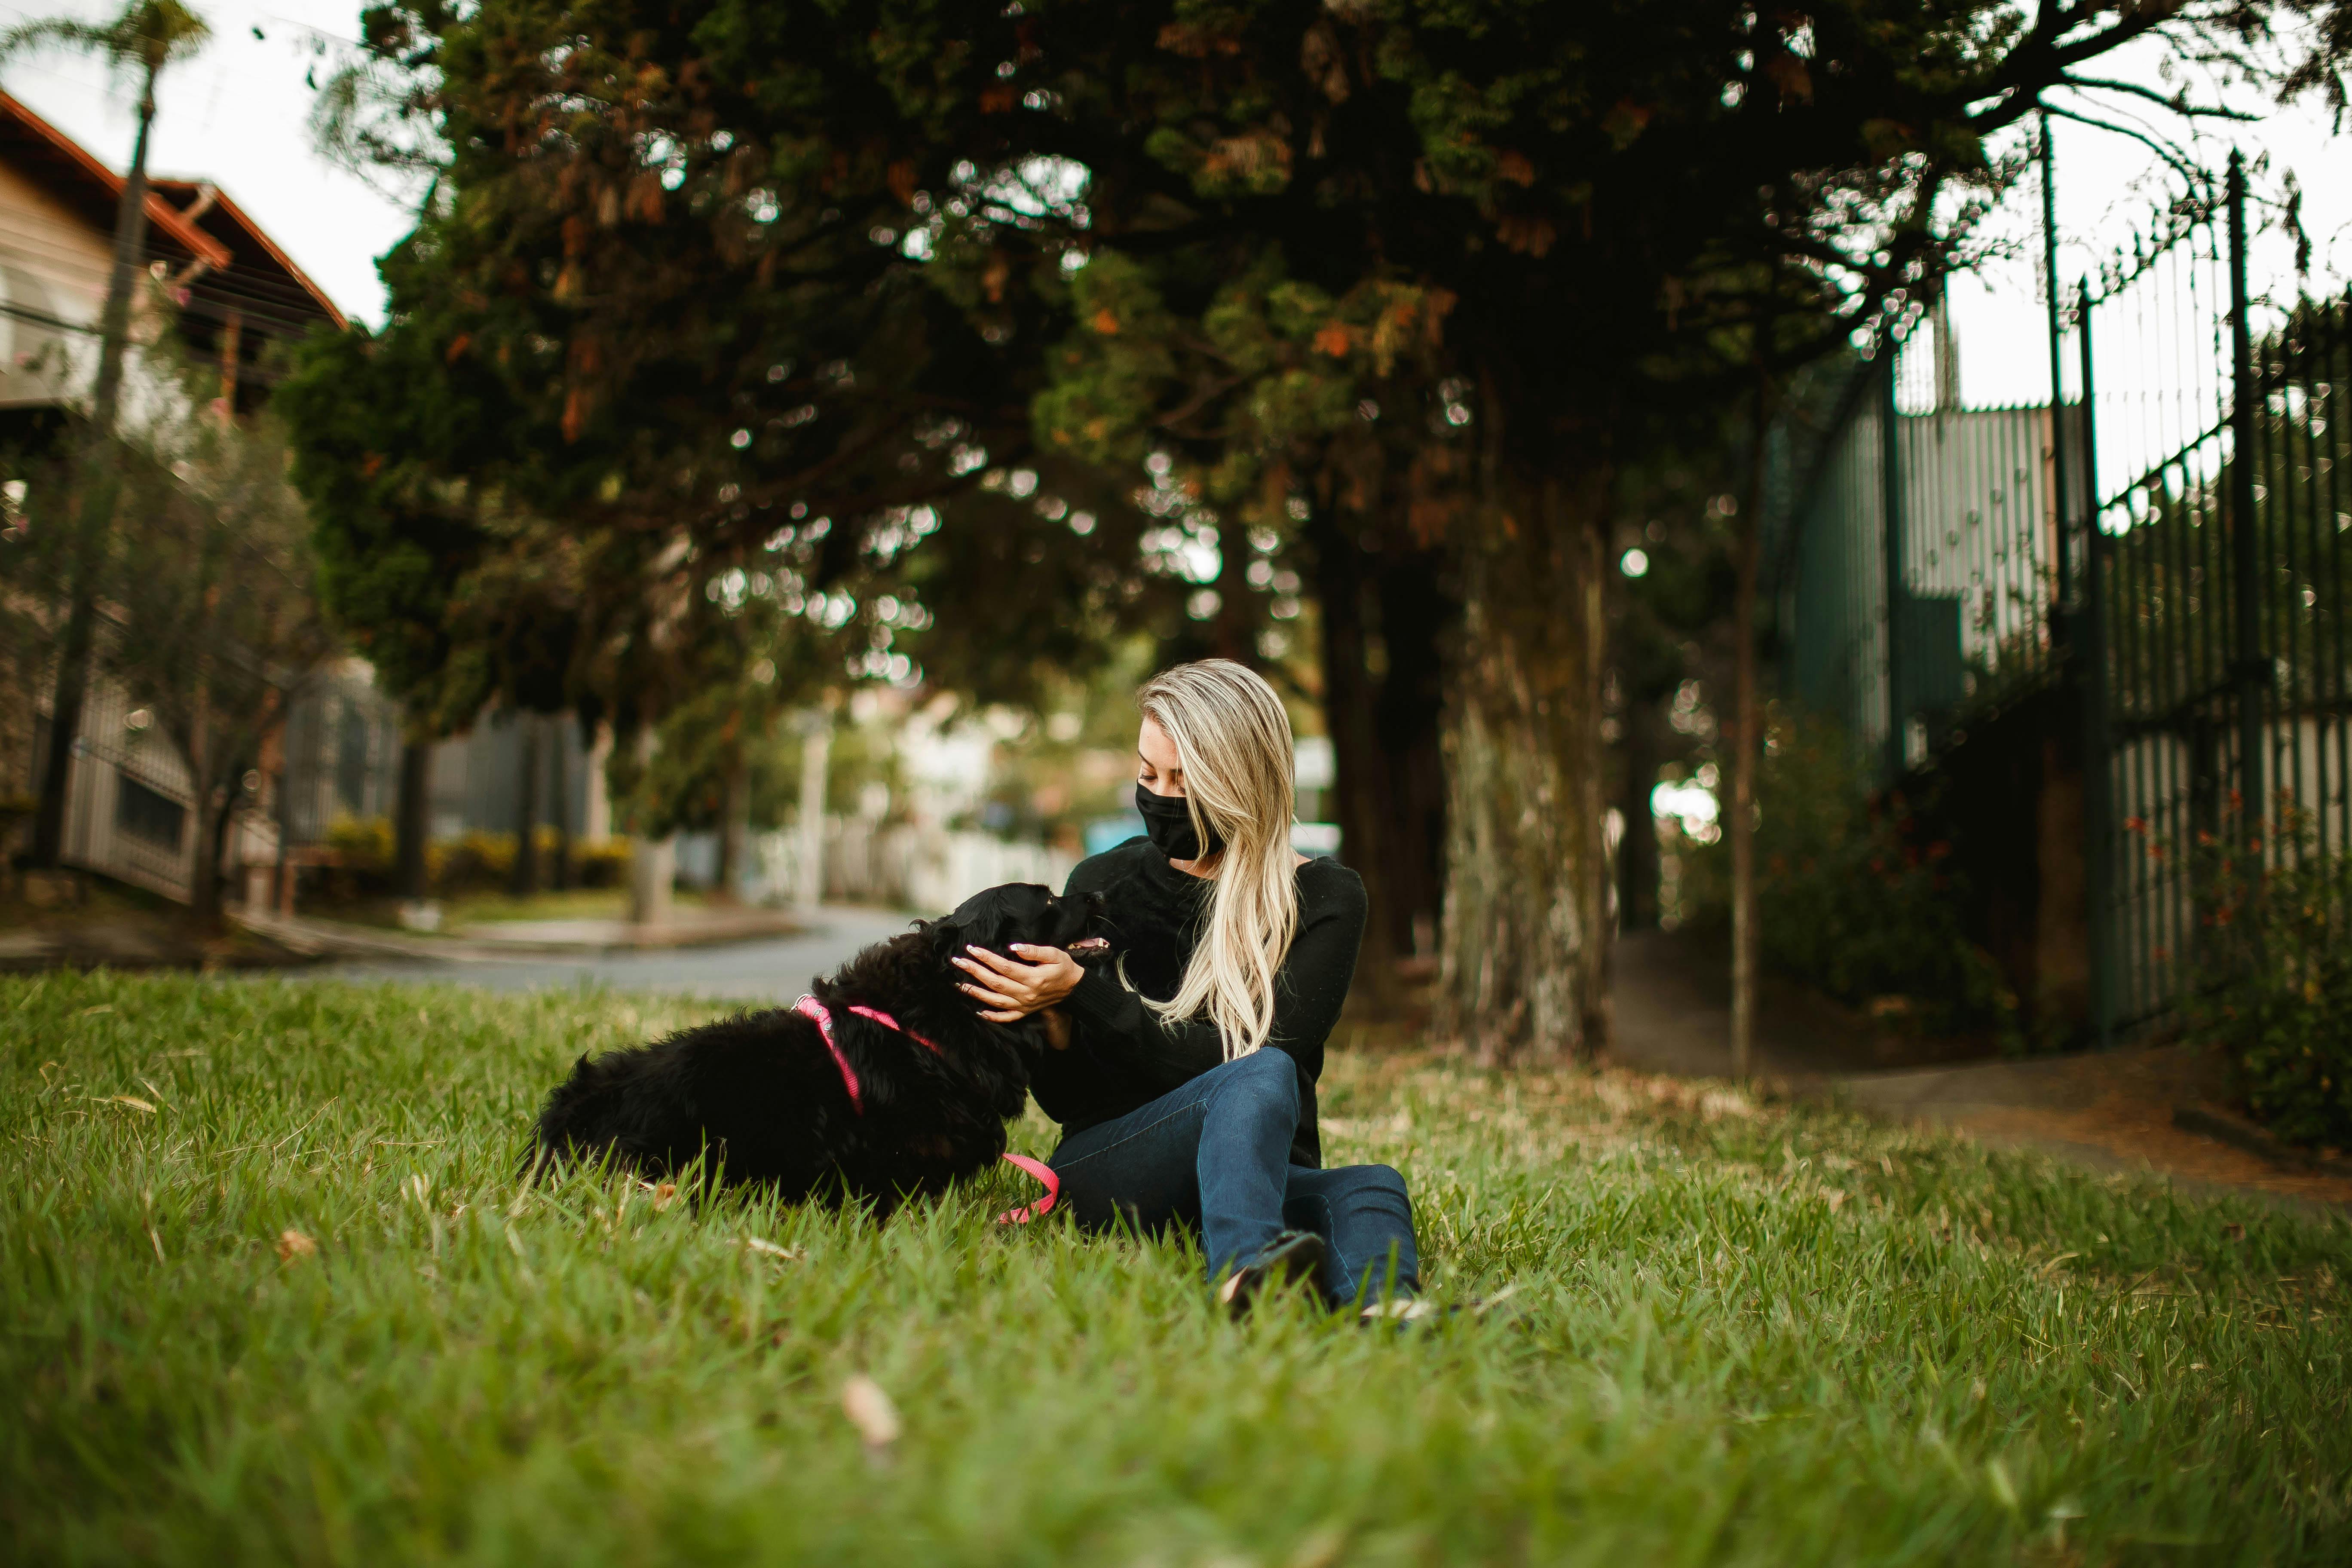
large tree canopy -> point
(900, 291)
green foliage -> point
(749, 319)
(2271, 976)
(145, 37)
(1852, 895)
(382, 437)
(186, 529)
(365, 847)
(1740, 1333)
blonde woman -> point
(1185, 1084)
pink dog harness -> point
(816, 1013)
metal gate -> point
(2215, 677)
(2167, 550)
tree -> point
(209, 620)
(146, 36)
(1611, 203)
(926, 260)
(673, 319)
(393, 535)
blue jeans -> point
(1214, 1156)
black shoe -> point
(1292, 1255)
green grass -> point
(1739, 1334)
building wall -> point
(476, 776)
(343, 745)
(52, 265)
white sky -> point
(237, 115)
(2109, 184)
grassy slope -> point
(1739, 1334)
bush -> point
(605, 864)
(2273, 978)
(366, 857)
(1854, 897)
(478, 863)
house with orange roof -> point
(225, 293)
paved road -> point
(777, 968)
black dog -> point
(764, 1097)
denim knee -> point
(1385, 1178)
(1264, 1074)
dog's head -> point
(1024, 912)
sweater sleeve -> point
(1309, 991)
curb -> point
(335, 939)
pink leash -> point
(1043, 1207)
(815, 1011)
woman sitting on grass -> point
(1185, 1088)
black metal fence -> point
(2159, 552)
(2215, 676)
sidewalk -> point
(688, 926)
(2111, 1110)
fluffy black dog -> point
(759, 1098)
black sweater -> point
(1122, 1056)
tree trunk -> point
(213, 809)
(816, 753)
(560, 729)
(1381, 685)
(1739, 819)
(1747, 750)
(524, 880)
(1232, 630)
(653, 863)
(74, 646)
(1417, 616)
(734, 830)
(413, 819)
(1637, 857)
(1360, 787)
(1523, 960)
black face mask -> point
(1168, 821)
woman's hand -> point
(1008, 990)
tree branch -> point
(2179, 103)
(2196, 177)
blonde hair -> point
(1234, 741)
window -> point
(149, 815)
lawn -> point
(493, 908)
(273, 1293)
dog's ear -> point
(946, 938)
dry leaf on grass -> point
(870, 1411)
(293, 1244)
(770, 1249)
(664, 1195)
(133, 1100)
